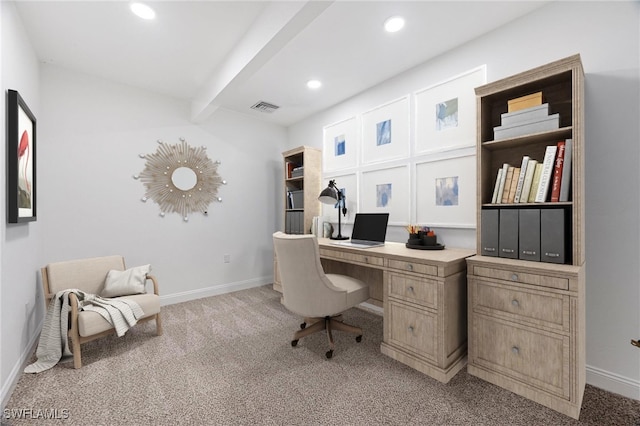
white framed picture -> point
(340, 145)
(385, 132)
(387, 191)
(348, 185)
(445, 113)
(446, 192)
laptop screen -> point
(370, 226)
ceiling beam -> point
(278, 24)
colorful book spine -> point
(565, 185)
(557, 173)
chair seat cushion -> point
(90, 323)
(357, 290)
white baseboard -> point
(613, 382)
(12, 381)
(186, 296)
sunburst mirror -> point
(180, 179)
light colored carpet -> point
(227, 360)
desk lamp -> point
(330, 195)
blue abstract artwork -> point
(383, 194)
(340, 144)
(447, 114)
(447, 191)
(383, 132)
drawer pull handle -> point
(410, 267)
(410, 329)
(411, 289)
(515, 350)
(490, 249)
(366, 260)
(514, 277)
(529, 252)
(552, 254)
(515, 303)
(508, 250)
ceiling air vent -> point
(263, 106)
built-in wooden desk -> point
(424, 298)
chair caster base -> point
(359, 338)
(294, 343)
(329, 354)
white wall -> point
(606, 36)
(20, 249)
(92, 134)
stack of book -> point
(526, 115)
(534, 181)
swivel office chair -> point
(307, 291)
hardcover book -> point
(557, 173)
(535, 183)
(547, 171)
(565, 185)
(523, 172)
(528, 180)
(507, 185)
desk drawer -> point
(525, 306)
(419, 268)
(534, 357)
(522, 277)
(413, 289)
(413, 329)
(352, 257)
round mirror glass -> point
(184, 178)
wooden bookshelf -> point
(526, 319)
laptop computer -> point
(369, 230)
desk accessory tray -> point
(421, 247)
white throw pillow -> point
(122, 283)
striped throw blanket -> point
(53, 345)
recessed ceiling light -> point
(143, 11)
(393, 24)
(314, 84)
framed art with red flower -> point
(21, 160)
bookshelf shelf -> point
(526, 310)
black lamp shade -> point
(329, 195)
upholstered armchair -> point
(106, 277)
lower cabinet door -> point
(413, 330)
(534, 357)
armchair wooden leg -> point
(77, 355)
(158, 325)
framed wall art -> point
(340, 145)
(446, 193)
(21, 160)
(387, 191)
(445, 113)
(385, 132)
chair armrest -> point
(155, 284)
(73, 302)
